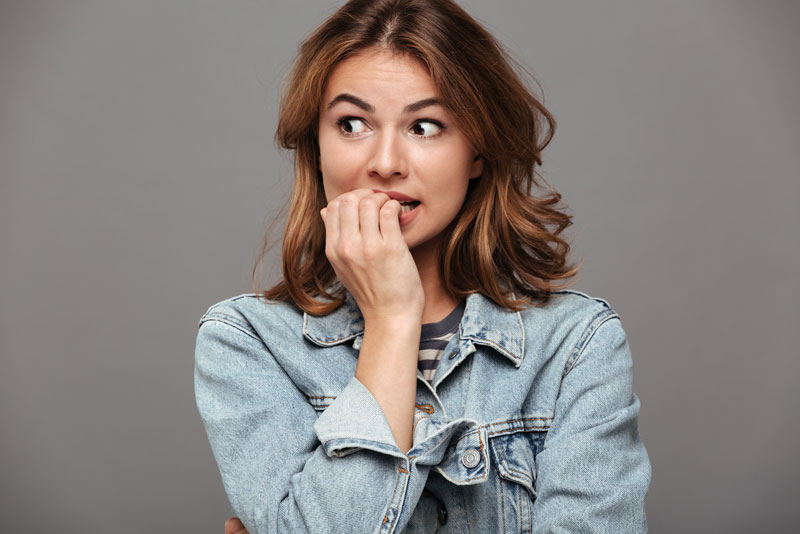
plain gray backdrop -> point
(138, 173)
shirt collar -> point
(484, 323)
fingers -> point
(234, 526)
(390, 221)
(341, 215)
(368, 211)
(355, 215)
(348, 212)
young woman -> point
(417, 369)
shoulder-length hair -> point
(504, 243)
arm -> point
(283, 468)
(593, 472)
(368, 252)
(387, 366)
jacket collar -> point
(483, 323)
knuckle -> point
(372, 254)
(369, 203)
(349, 199)
(345, 251)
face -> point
(381, 127)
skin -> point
(234, 526)
(390, 268)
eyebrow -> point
(411, 108)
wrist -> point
(394, 323)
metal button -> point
(471, 458)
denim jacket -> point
(529, 424)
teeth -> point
(406, 206)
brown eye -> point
(427, 128)
(351, 126)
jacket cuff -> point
(354, 421)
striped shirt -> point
(434, 339)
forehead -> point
(380, 74)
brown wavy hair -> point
(505, 243)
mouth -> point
(407, 206)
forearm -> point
(387, 366)
(285, 467)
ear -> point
(477, 167)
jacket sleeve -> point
(285, 469)
(593, 472)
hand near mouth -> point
(366, 248)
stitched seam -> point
(583, 343)
(510, 469)
(414, 427)
(510, 431)
(224, 319)
(517, 430)
(526, 515)
(232, 318)
(397, 513)
(391, 500)
(481, 341)
(584, 295)
(355, 442)
(469, 382)
(329, 343)
(503, 503)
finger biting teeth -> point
(405, 207)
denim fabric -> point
(529, 425)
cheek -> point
(446, 171)
(337, 168)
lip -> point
(396, 195)
(406, 218)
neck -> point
(438, 303)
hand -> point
(366, 248)
(234, 526)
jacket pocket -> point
(514, 456)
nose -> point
(388, 158)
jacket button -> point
(442, 515)
(471, 458)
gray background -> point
(138, 172)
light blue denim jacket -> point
(529, 425)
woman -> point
(417, 369)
